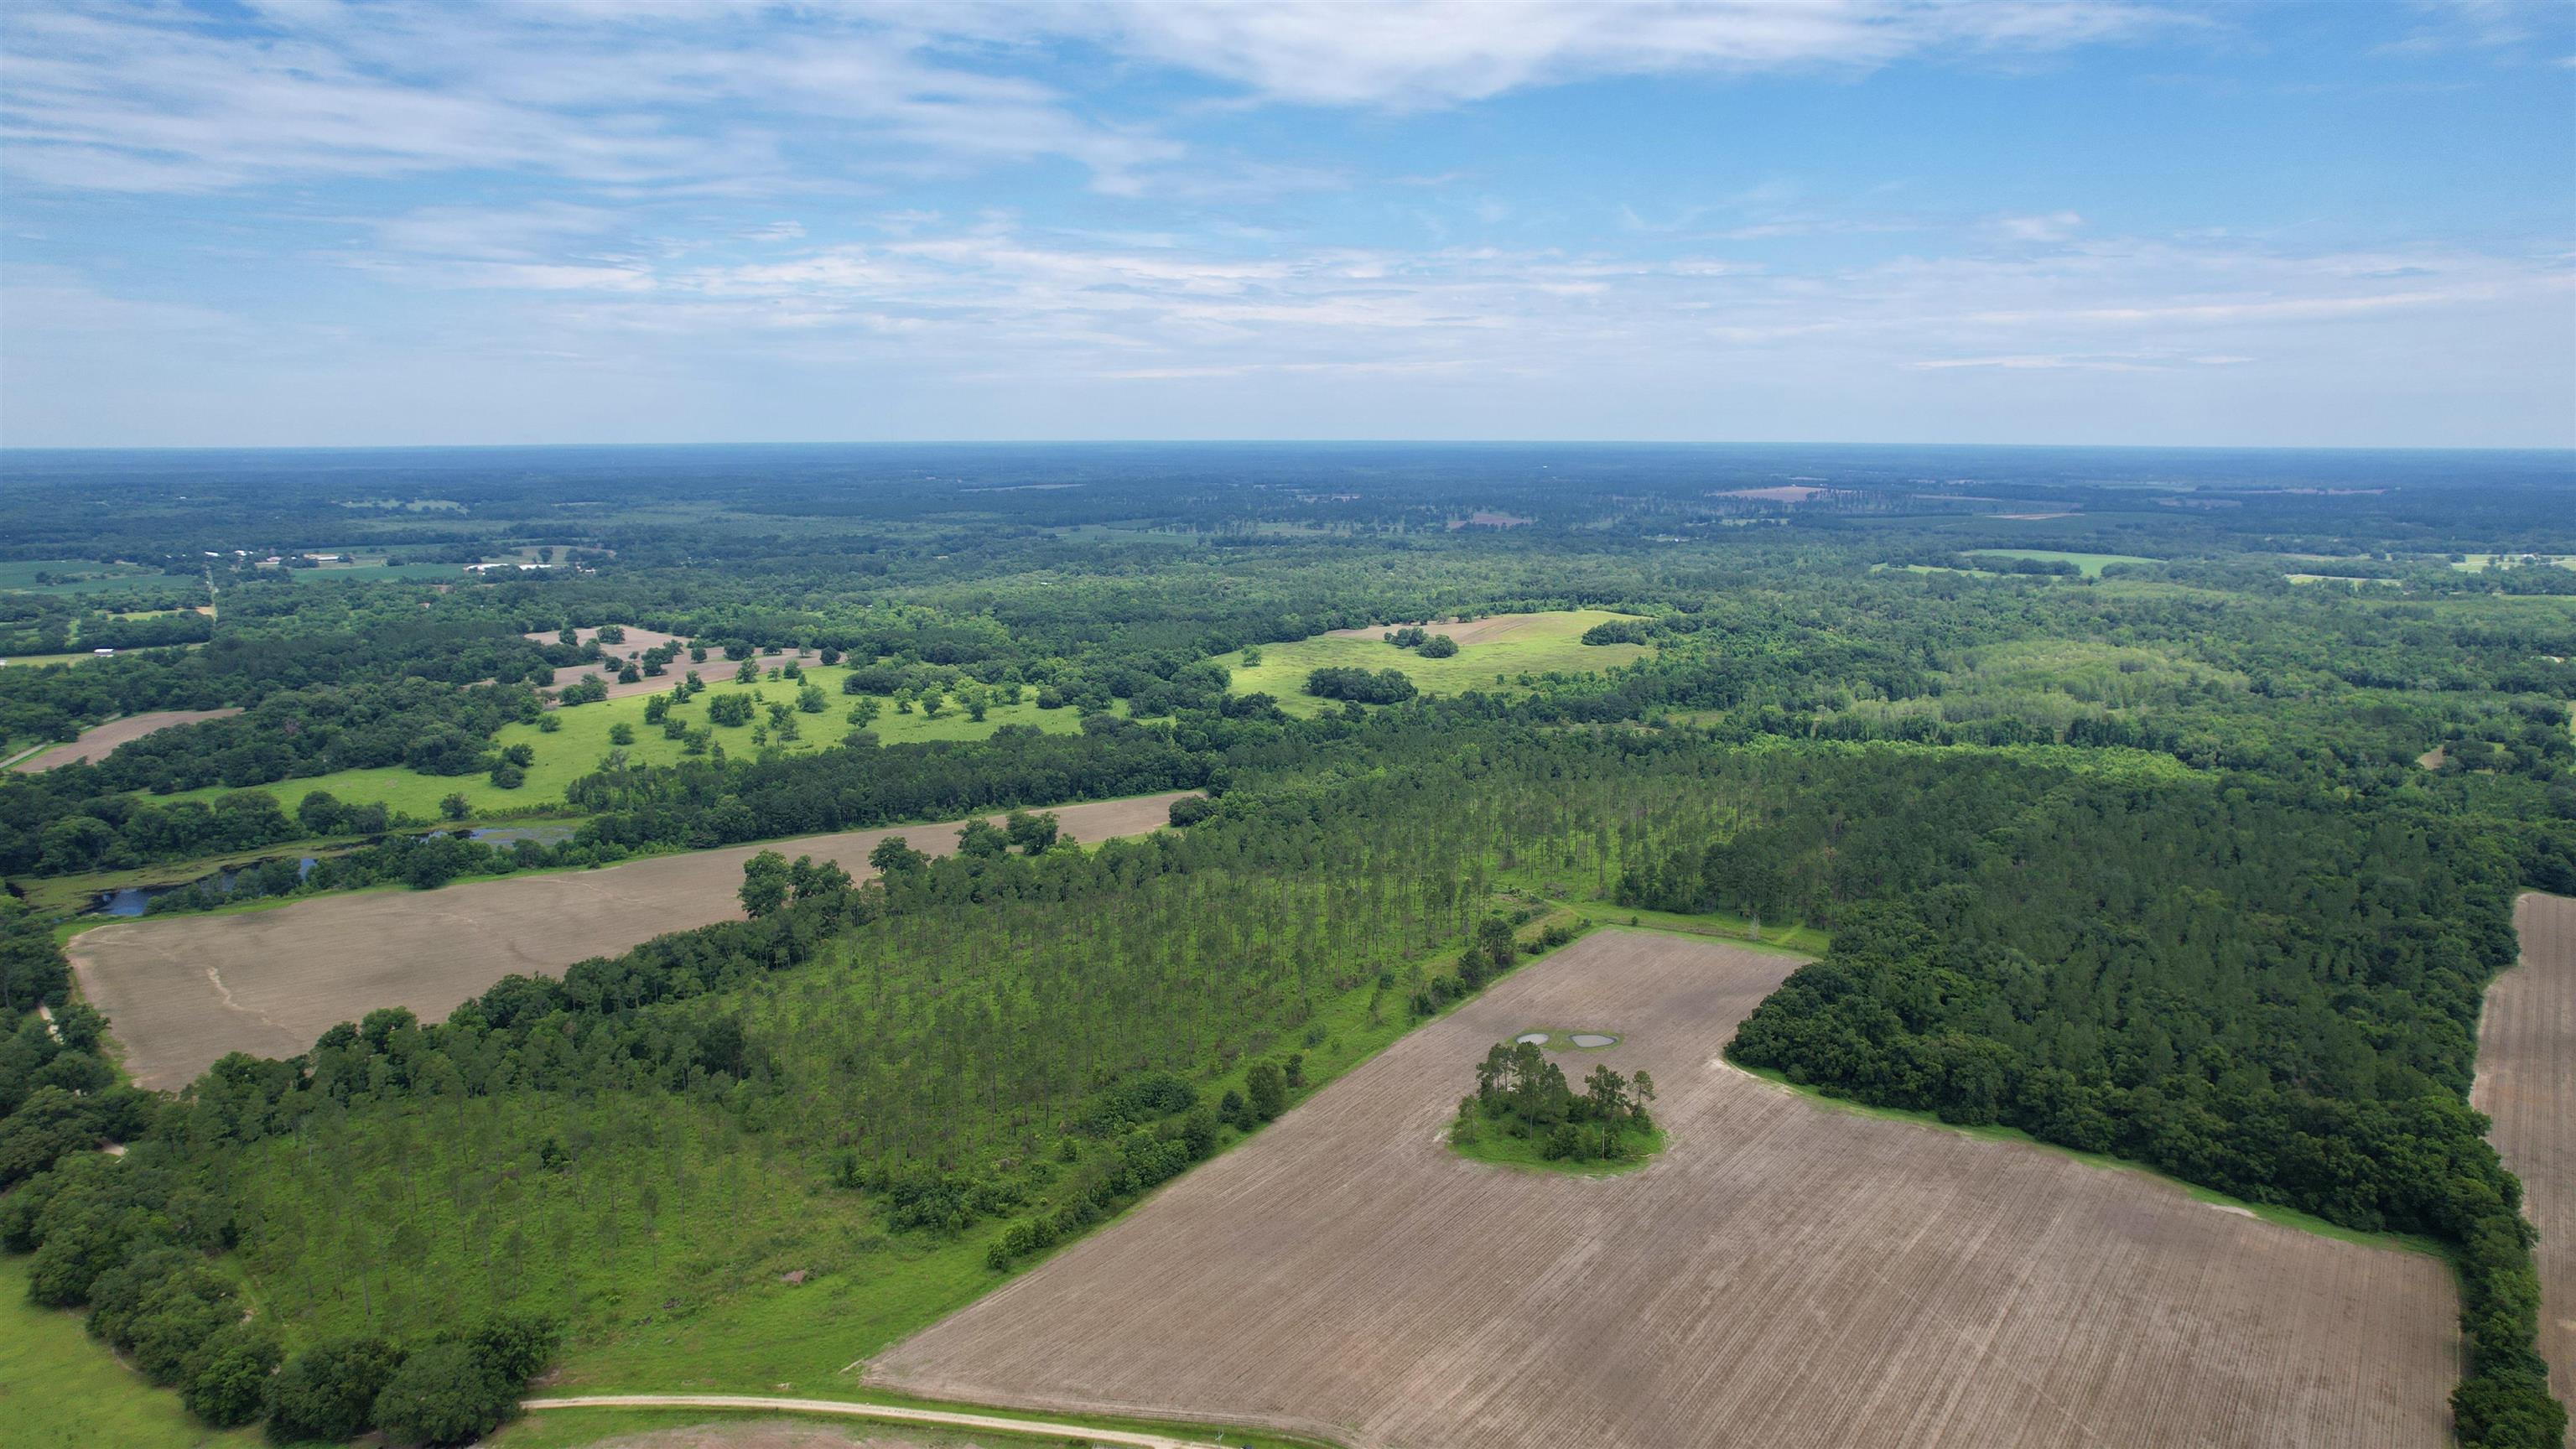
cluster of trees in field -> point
(1521, 1094)
(1361, 686)
(1421, 641)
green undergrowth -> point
(1491, 1144)
(868, 1288)
(2279, 1216)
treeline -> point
(2264, 991)
(102, 815)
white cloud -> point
(1408, 54)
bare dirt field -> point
(1469, 631)
(185, 990)
(1785, 1274)
(96, 742)
(2527, 1083)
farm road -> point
(185, 990)
(883, 1413)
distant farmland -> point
(1786, 1274)
(186, 990)
(2527, 1083)
(1509, 645)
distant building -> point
(104, 653)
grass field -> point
(1783, 1274)
(1508, 645)
(77, 576)
(581, 739)
(2527, 1083)
(2091, 564)
(62, 1389)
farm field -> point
(582, 737)
(95, 742)
(1506, 644)
(1784, 1274)
(2527, 1084)
(184, 991)
(2090, 564)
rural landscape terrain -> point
(1160, 945)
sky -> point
(289, 222)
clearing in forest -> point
(583, 735)
(1784, 1274)
(2527, 1084)
(186, 990)
(1508, 645)
(96, 742)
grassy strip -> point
(1527, 1154)
(563, 1428)
(2279, 1216)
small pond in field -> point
(1590, 1039)
(512, 834)
(1531, 1038)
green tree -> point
(894, 856)
(228, 1376)
(1267, 1087)
(455, 806)
(444, 1394)
(329, 1390)
(765, 880)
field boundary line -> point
(890, 1413)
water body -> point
(132, 901)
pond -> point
(130, 901)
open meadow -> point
(184, 991)
(1493, 653)
(583, 735)
(1784, 1274)
(2527, 1084)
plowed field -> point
(99, 741)
(1784, 1275)
(2527, 1083)
(183, 991)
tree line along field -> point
(2527, 1084)
(1783, 1274)
(187, 990)
(1493, 653)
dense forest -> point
(2187, 834)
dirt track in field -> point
(2527, 1083)
(98, 741)
(1784, 1275)
(183, 991)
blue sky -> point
(2103, 221)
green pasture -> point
(1551, 643)
(581, 741)
(2476, 563)
(2091, 564)
(75, 575)
(62, 1389)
